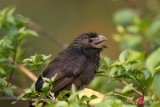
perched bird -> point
(77, 64)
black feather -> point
(77, 65)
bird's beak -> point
(100, 39)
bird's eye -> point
(90, 40)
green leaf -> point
(27, 61)
(37, 104)
(8, 91)
(94, 97)
(85, 98)
(2, 71)
(6, 14)
(61, 104)
(13, 87)
(26, 32)
(37, 58)
(123, 56)
(153, 60)
(75, 104)
(14, 102)
(114, 63)
(47, 79)
(62, 94)
(125, 16)
(106, 59)
(53, 78)
(154, 27)
(127, 68)
(155, 104)
(1, 81)
(156, 86)
(113, 70)
(131, 41)
(30, 32)
(40, 105)
(46, 57)
(40, 58)
(20, 20)
(156, 70)
(122, 76)
(73, 89)
(45, 85)
(133, 29)
(21, 30)
(146, 73)
(7, 42)
(36, 61)
(135, 55)
(144, 24)
(127, 88)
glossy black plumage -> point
(77, 64)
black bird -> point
(77, 64)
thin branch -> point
(17, 90)
(39, 29)
(24, 99)
(116, 94)
(146, 43)
(138, 92)
(139, 81)
(25, 71)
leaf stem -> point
(14, 58)
(124, 82)
(116, 94)
(24, 99)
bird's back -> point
(71, 69)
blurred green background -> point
(68, 18)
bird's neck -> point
(84, 51)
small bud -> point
(140, 102)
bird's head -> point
(90, 40)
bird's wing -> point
(66, 66)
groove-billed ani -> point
(77, 64)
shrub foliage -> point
(136, 73)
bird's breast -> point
(91, 66)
